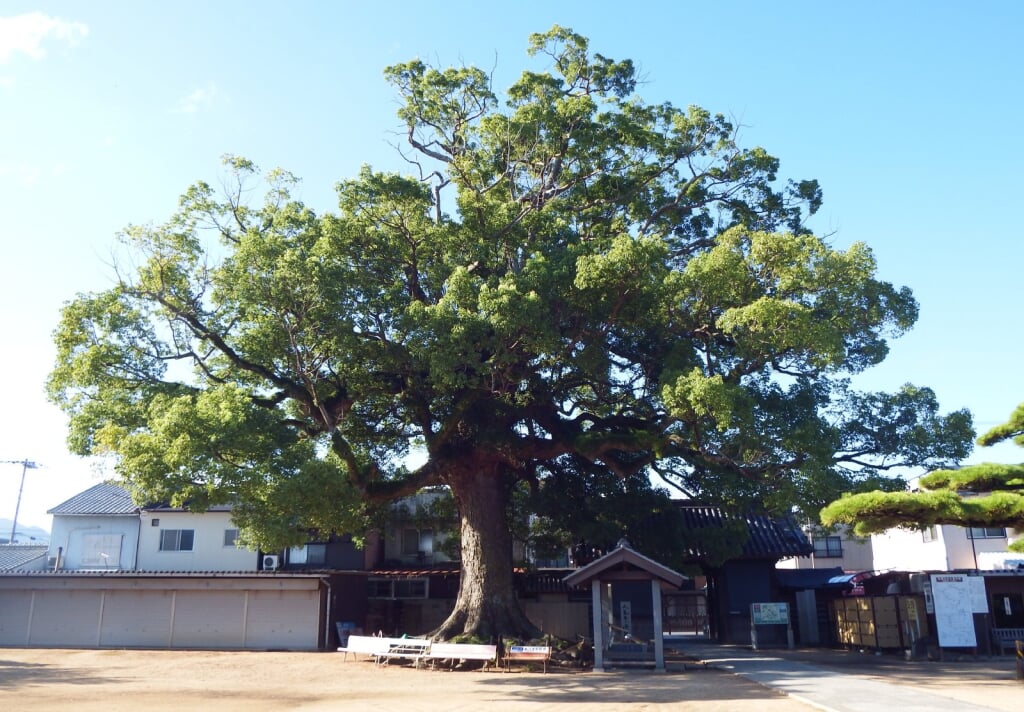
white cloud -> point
(199, 99)
(6, 81)
(27, 34)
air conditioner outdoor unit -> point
(271, 562)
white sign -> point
(952, 594)
(769, 613)
(979, 599)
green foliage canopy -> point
(570, 272)
(983, 495)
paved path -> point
(835, 685)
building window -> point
(397, 588)
(416, 541)
(230, 537)
(177, 539)
(929, 534)
(308, 554)
(316, 553)
(986, 533)
(828, 547)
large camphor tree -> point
(568, 272)
(983, 495)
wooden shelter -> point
(624, 568)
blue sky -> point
(908, 113)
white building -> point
(833, 549)
(938, 548)
(102, 529)
(97, 529)
(941, 548)
(172, 539)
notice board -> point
(953, 596)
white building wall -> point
(950, 550)
(961, 549)
(907, 550)
(97, 542)
(857, 555)
(208, 553)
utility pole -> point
(25, 466)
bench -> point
(383, 649)
(527, 653)
(405, 648)
(463, 651)
(1004, 638)
(365, 644)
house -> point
(943, 548)
(416, 531)
(838, 548)
(175, 539)
(97, 529)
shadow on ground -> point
(633, 687)
(15, 675)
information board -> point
(954, 619)
(769, 613)
(979, 599)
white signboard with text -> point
(953, 596)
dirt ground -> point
(158, 681)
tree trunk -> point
(487, 606)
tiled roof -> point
(623, 556)
(104, 498)
(164, 507)
(770, 537)
(14, 557)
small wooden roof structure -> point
(624, 564)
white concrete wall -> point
(70, 538)
(906, 550)
(208, 550)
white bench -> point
(413, 649)
(463, 651)
(365, 644)
(383, 649)
(528, 653)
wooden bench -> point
(1004, 638)
(527, 653)
(463, 651)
